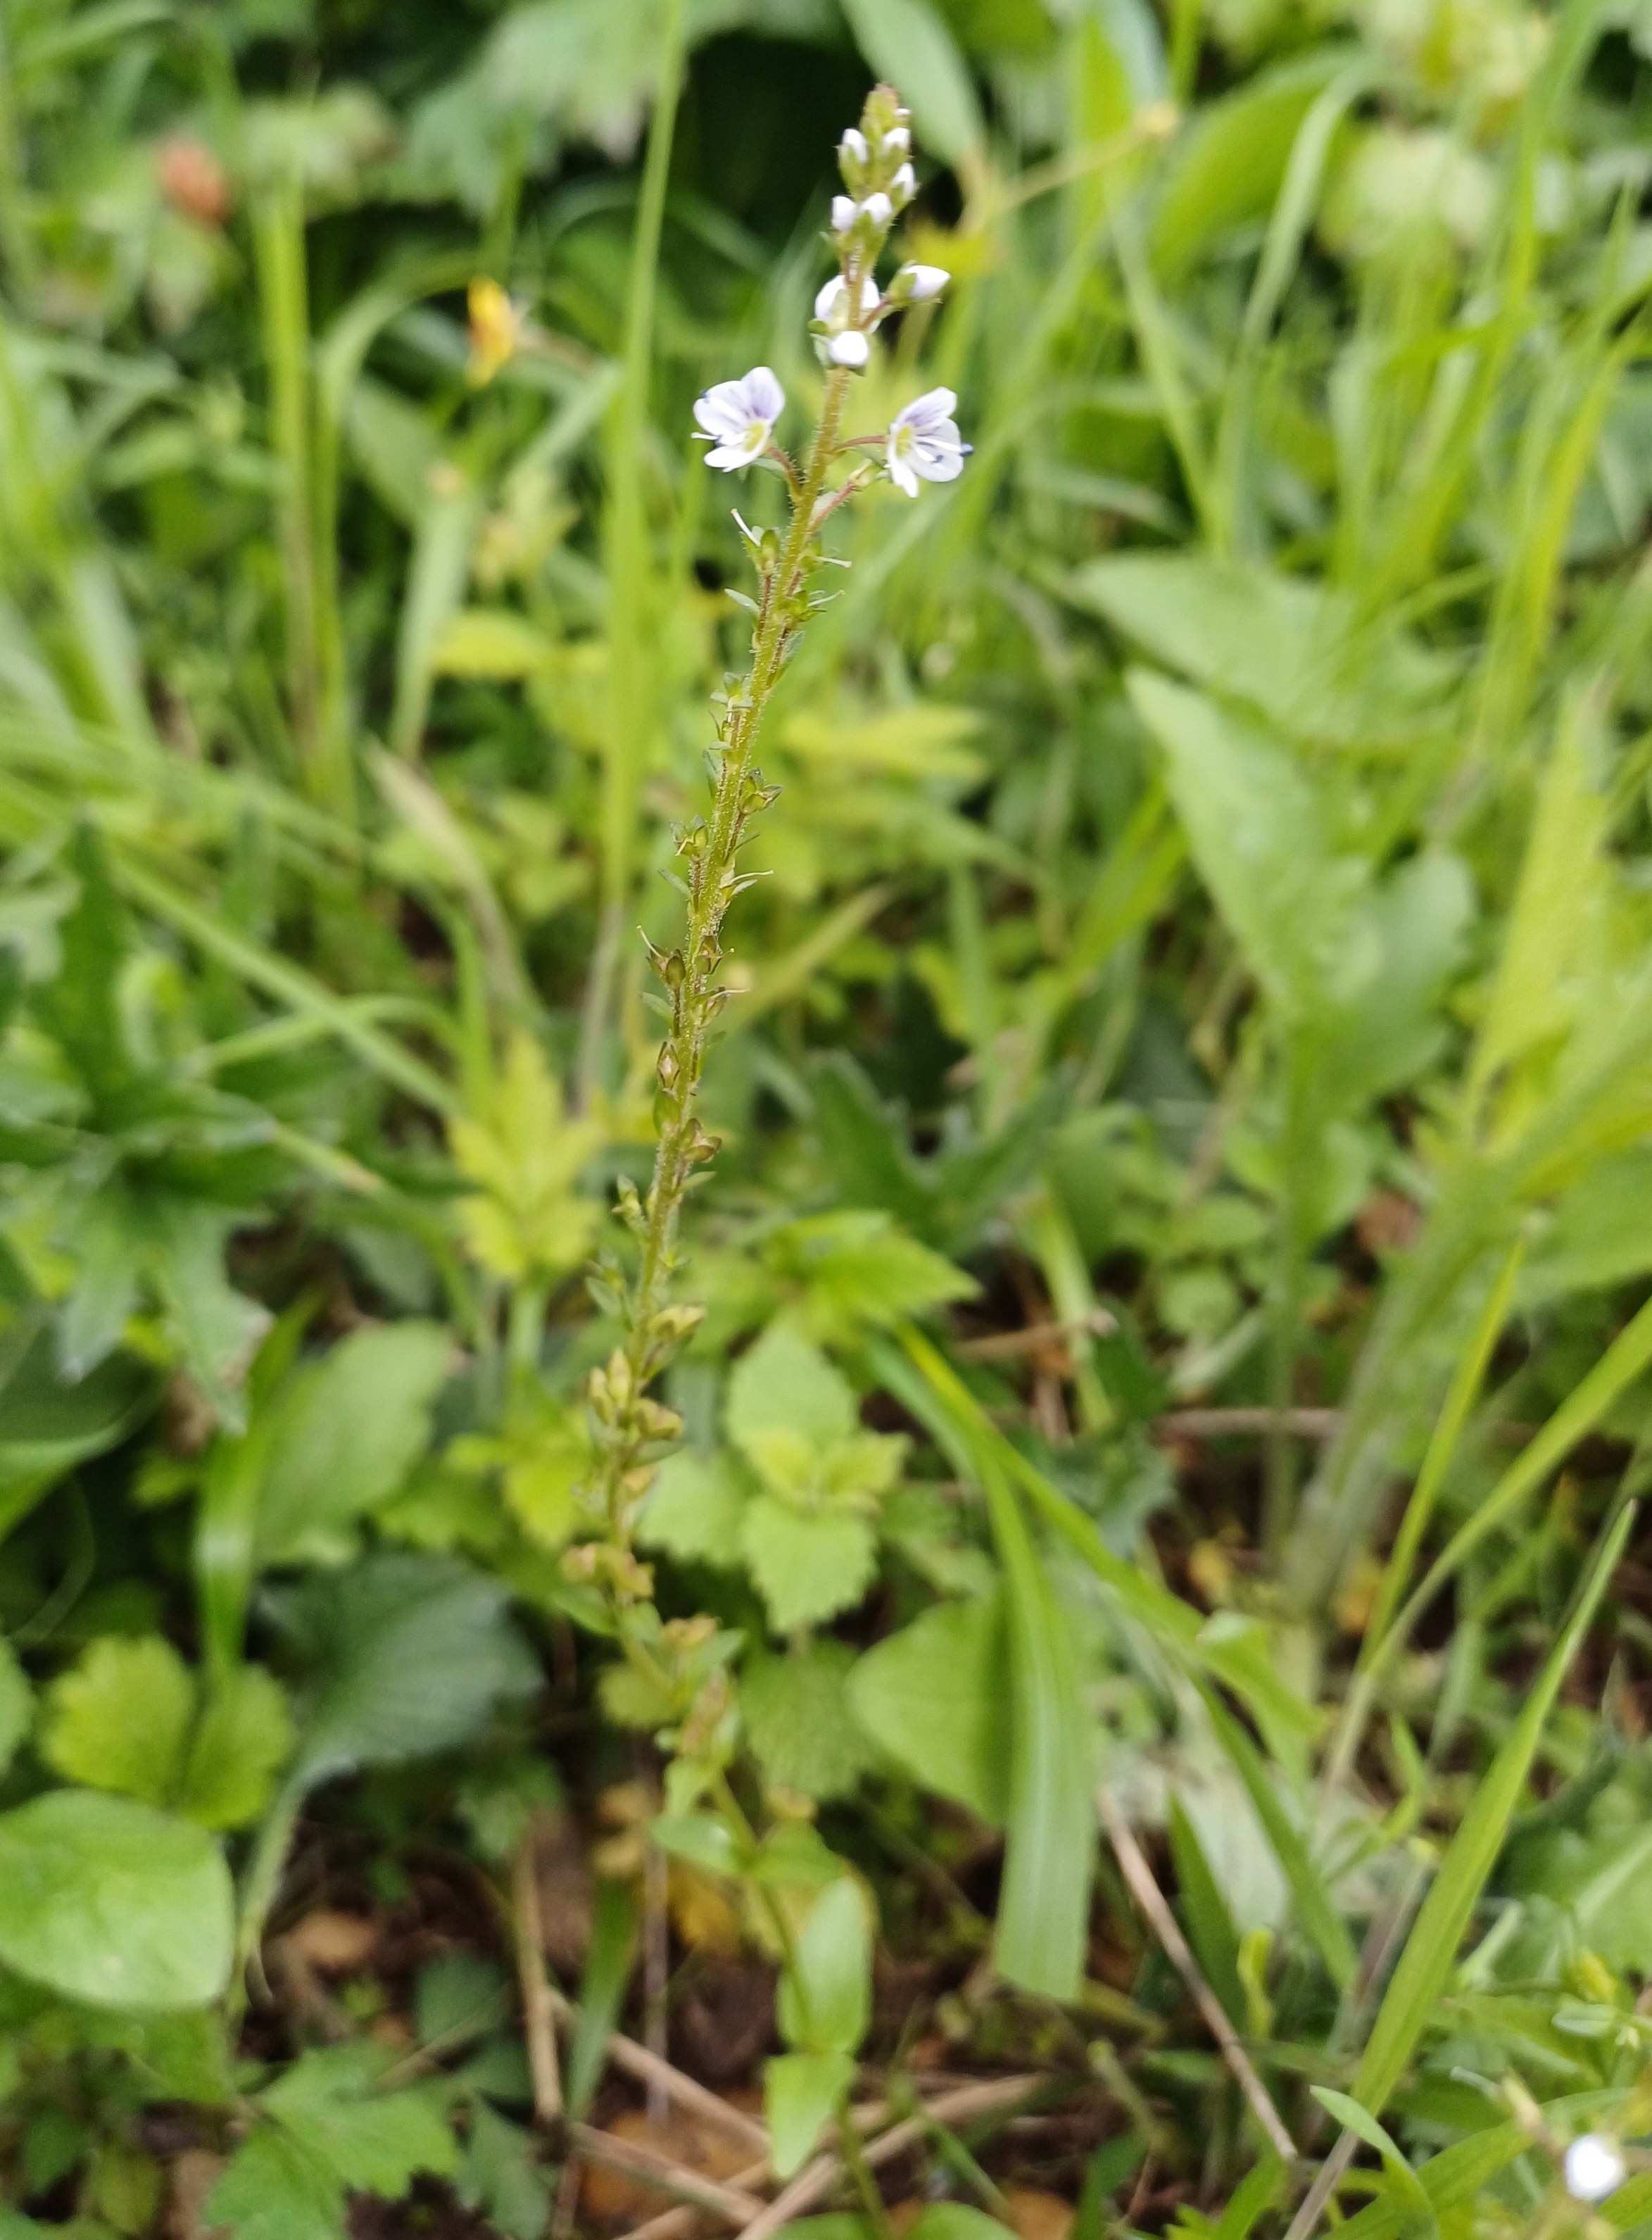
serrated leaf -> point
(797, 1719)
(120, 1718)
(107, 1901)
(785, 1383)
(345, 1431)
(411, 1653)
(373, 2142)
(694, 1508)
(937, 1696)
(242, 1738)
(501, 2175)
(806, 1569)
(275, 2189)
(800, 2093)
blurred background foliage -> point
(1200, 972)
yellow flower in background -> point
(497, 326)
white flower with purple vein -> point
(924, 445)
(738, 419)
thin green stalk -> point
(631, 681)
(278, 240)
(710, 849)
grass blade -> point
(1430, 1951)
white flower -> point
(832, 302)
(922, 281)
(854, 143)
(738, 417)
(850, 348)
(900, 139)
(879, 209)
(924, 443)
(1592, 2168)
(903, 186)
(845, 211)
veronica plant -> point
(679, 1671)
(738, 419)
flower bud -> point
(877, 212)
(850, 349)
(903, 186)
(853, 158)
(845, 211)
(917, 284)
(899, 140)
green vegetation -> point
(1052, 1604)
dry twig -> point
(1139, 1875)
(649, 2167)
(537, 1994)
(648, 2069)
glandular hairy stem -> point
(709, 849)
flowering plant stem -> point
(711, 849)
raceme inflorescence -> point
(737, 419)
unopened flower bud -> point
(899, 139)
(854, 143)
(853, 158)
(915, 283)
(877, 210)
(850, 349)
(845, 211)
(903, 186)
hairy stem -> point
(711, 851)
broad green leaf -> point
(698, 1839)
(806, 1568)
(907, 42)
(825, 1998)
(274, 2188)
(410, 1654)
(48, 1422)
(373, 2140)
(694, 1508)
(104, 1900)
(937, 1696)
(859, 1270)
(796, 1711)
(345, 1432)
(1230, 165)
(1430, 1950)
(800, 2093)
(120, 1718)
(243, 1738)
(1298, 652)
(785, 1383)
(1260, 837)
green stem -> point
(630, 674)
(712, 850)
(278, 238)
